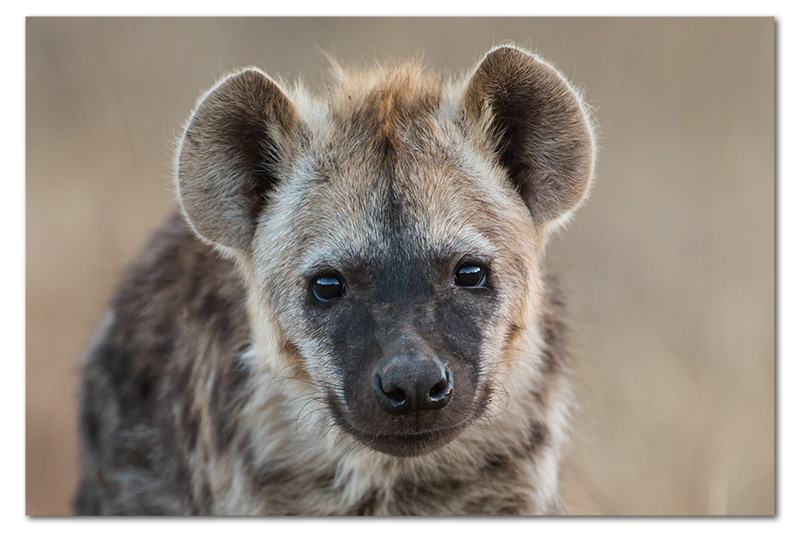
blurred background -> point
(668, 270)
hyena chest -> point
(405, 499)
(319, 487)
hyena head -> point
(391, 233)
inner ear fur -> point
(542, 136)
(240, 136)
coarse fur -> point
(219, 385)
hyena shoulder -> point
(175, 327)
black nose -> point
(410, 383)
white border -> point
(12, 211)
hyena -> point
(350, 314)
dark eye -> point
(327, 287)
(470, 276)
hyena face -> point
(390, 234)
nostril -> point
(443, 388)
(391, 398)
(438, 390)
(395, 395)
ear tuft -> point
(542, 135)
(241, 135)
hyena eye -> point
(327, 287)
(470, 275)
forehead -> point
(398, 213)
(391, 170)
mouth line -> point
(398, 444)
(406, 444)
(415, 434)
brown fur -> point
(216, 388)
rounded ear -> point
(541, 133)
(240, 137)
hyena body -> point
(351, 315)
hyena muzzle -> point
(351, 313)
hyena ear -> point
(541, 133)
(239, 138)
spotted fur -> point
(217, 385)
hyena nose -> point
(408, 383)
